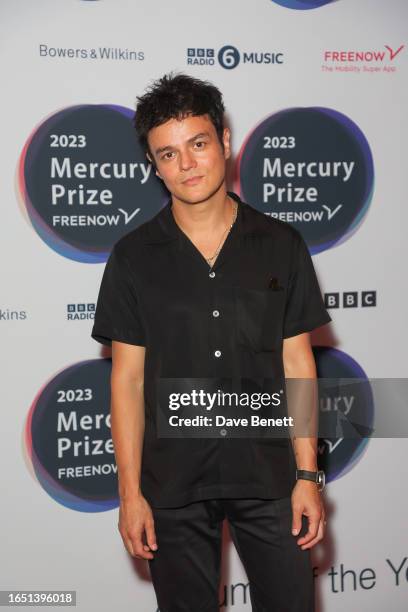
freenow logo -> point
(302, 5)
(311, 167)
(80, 312)
(370, 61)
(68, 438)
(230, 57)
(85, 181)
(337, 456)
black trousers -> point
(186, 569)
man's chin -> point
(197, 196)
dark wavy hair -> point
(175, 96)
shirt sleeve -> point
(305, 309)
(117, 315)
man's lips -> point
(192, 181)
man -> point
(210, 288)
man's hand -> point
(135, 518)
(306, 500)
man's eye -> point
(200, 144)
(167, 155)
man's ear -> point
(150, 160)
(226, 139)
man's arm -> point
(127, 425)
(299, 363)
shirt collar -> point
(163, 227)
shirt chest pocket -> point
(259, 317)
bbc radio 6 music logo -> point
(342, 401)
(85, 181)
(302, 5)
(311, 167)
(230, 57)
(68, 438)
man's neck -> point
(204, 218)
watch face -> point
(321, 478)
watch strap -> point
(317, 477)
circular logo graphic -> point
(349, 404)
(311, 167)
(229, 57)
(68, 438)
(85, 181)
(302, 5)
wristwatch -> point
(317, 477)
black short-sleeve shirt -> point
(230, 320)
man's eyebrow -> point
(200, 135)
(169, 147)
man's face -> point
(189, 157)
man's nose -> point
(187, 160)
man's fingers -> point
(138, 546)
(134, 545)
(319, 536)
(296, 520)
(131, 549)
(151, 535)
(139, 549)
(314, 521)
(136, 526)
(128, 546)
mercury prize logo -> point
(68, 438)
(85, 181)
(311, 167)
(355, 402)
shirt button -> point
(211, 274)
(217, 353)
(216, 313)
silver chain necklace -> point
(234, 216)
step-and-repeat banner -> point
(316, 93)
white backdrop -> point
(47, 544)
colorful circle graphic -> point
(68, 438)
(85, 181)
(311, 167)
(355, 403)
(302, 5)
